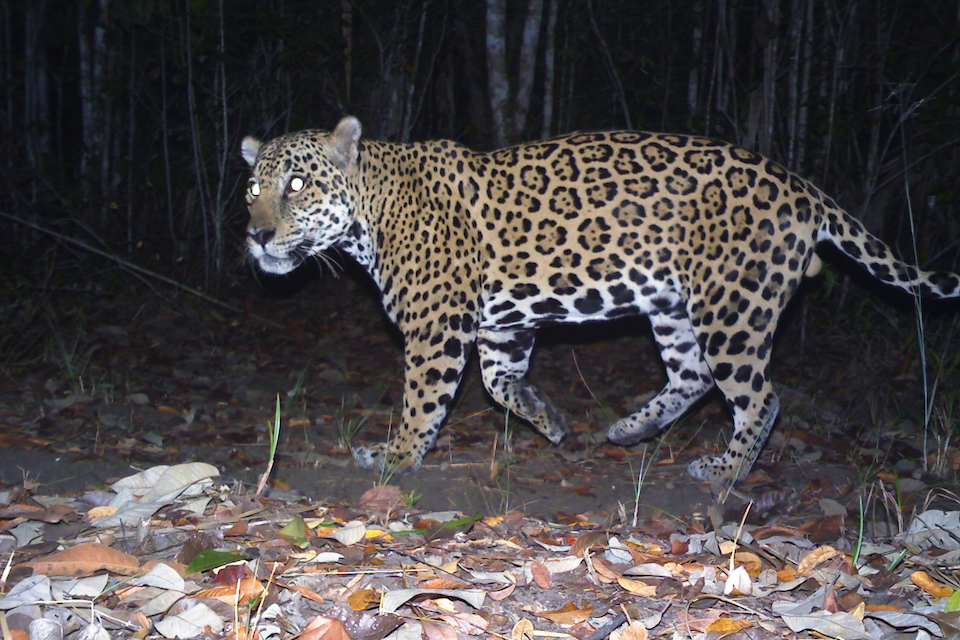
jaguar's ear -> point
(344, 150)
(249, 148)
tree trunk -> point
(549, 69)
(498, 86)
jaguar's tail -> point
(850, 236)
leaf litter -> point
(169, 553)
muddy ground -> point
(96, 385)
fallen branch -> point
(126, 264)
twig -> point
(608, 628)
(141, 270)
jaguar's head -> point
(298, 195)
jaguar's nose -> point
(261, 236)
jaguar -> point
(707, 239)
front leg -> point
(434, 363)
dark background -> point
(121, 121)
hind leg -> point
(736, 347)
(754, 414)
(504, 360)
(688, 378)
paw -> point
(711, 469)
(380, 457)
(556, 430)
(369, 457)
(627, 432)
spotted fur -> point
(707, 239)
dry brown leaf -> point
(304, 591)
(442, 583)
(85, 559)
(541, 575)
(247, 589)
(383, 498)
(588, 540)
(634, 631)
(816, 557)
(727, 625)
(602, 567)
(928, 584)
(321, 628)
(636, 587)
(568, 615)
(468, 623)
(750, 561)
(522, 630)
(787, 574)
(438, 630)
(363, 599)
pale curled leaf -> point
(350, 533)
(393, 600)
(738, 583)
(161, 575)
(833, 625)
(190, 623)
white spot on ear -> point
(249, 148)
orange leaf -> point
(541, 575)
(363, 599)
(604, 572)
(925, 582)
(568, 615)
(727, 625)
(321, 628)
(304, 591)
(816, 557)
(84, 559)
(636, 587)
(247, 588)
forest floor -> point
(558, 535)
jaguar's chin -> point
(278, 266)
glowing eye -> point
(297, 184)
(254, 188)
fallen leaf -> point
(636, 587)
(634, 631)
(321, 628)
(241, 592)
(350, 533)
(816, 557)
(84, 559)
(540, 575)
(363, 599)
(738, 583)
(522, 630)
(568, 615)
(382, 498)
(502, 594)
(438, 630)
(726, 625)
(925, 582)
(587, 540)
